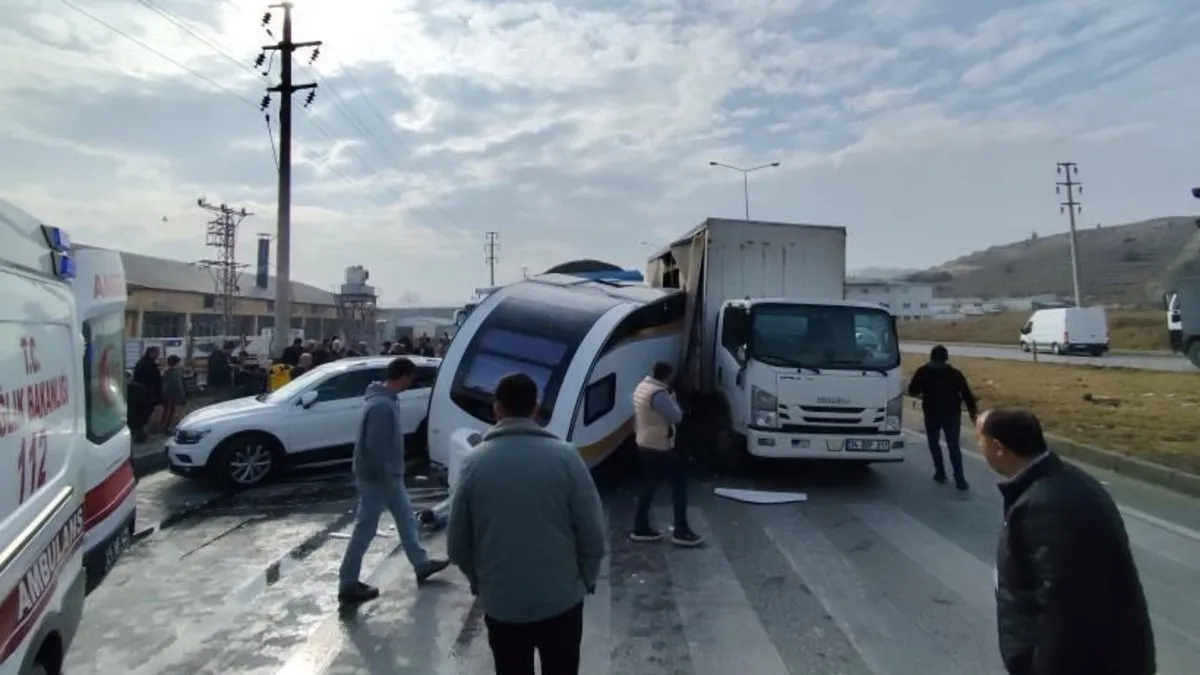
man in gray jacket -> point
(527, 530)
(379, 476)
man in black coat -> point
(1068, 597)
(943, 391)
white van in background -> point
(109, 508)
(1067, 330)
(43, 480)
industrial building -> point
(171, 298)
(907, 300)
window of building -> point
(210, 301)
(600, 398)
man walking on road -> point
(527, 529)
(1068, 597)
(379, 476)
(943, 391)
(656, 412)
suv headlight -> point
(764, 408)
(190, 436)
(894, 414)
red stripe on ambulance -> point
(108, 496)
(24, 605)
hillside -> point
(1121, 264)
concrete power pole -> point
(221, 234)
(492, 245)
(1068, 170)
(283, 237)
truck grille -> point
(811, 419)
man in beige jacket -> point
(656, 412)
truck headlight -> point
(894, 414)
(764, 408)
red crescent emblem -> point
(106, 380)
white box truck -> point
(1183, 319)
(774, 355)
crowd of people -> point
(528, 531)
(156, 395)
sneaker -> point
(939, 477)
(431, 568)
(961, 484)
(357, 592)
(686, 539)
(646, 536)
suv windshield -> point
(297, 385)
(824, 337)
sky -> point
(585, 128)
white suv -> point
(309, 421)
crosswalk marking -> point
(886, 638)
(723, 631)
(953, 567)
(596, 651)
(909, 600)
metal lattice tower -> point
(221, 234)
(490, 247)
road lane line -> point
(886, 638)
(596, 650)
(723, 631)
(944, 560)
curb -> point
(148, 463)
(1131, 467)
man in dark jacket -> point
(943, 391)
(1068, 597)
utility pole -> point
(221, 234)
(524, 272)
(286, 48)
(1069, 170)
(492, 245)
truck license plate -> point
(874, 445)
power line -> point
(156, 52)
(221, 234)
(1072, 206)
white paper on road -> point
(760, 496)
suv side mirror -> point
(308, 398)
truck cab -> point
(1183, 319)
(813, 379)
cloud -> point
(582, 128)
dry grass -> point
(1136, 330)
(1151, 415)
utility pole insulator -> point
(1069, 170)
(286, 48)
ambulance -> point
(44, 477)
(110, 504)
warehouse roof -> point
(175, 275)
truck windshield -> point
(829, 337)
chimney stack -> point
(261, 271)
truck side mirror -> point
(740, 355)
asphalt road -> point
(1144, 361)
(880, 573)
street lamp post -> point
(745, 179)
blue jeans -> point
(949, 426)
(373, 500)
